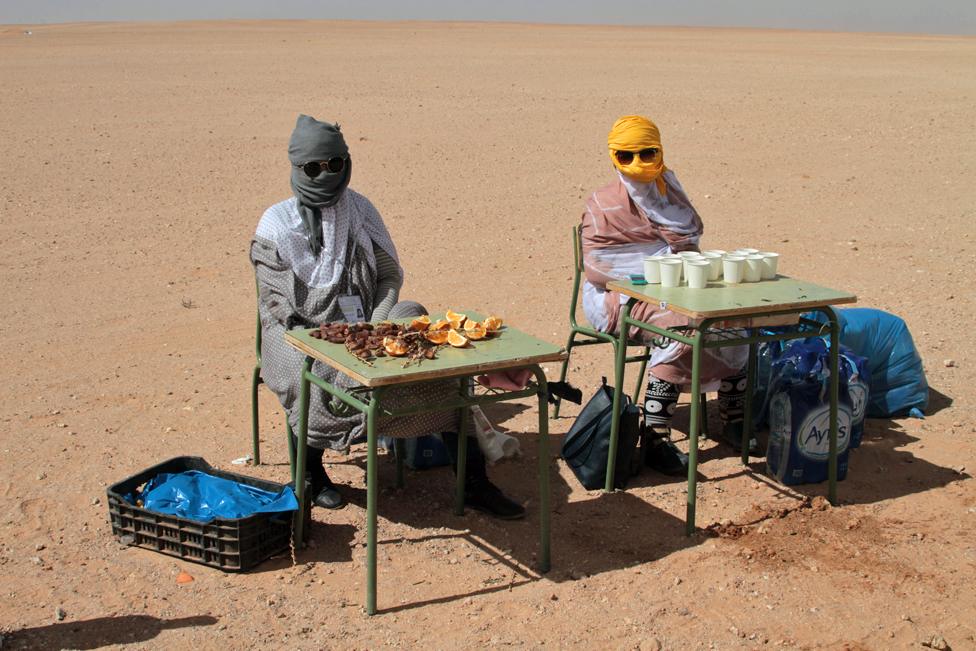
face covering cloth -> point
(634, 133)
(317, 141)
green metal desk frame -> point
(367, 399)
(751, 306)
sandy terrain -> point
(137, 159)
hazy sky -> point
(934, 16)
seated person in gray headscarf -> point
(325, 255)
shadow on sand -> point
(99, 632)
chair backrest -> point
(257, 334)
(577, 272)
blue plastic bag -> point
(799, 415)
(197, 496)
(421, 452)
(895, 375)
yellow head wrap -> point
(635, 133)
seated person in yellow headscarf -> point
(644, 211)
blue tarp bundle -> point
(894, 368)
(197, 496)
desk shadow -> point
(324, 544)
(99, 632)
(598, 533)
(501, 412)
(880, 469)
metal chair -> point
(255, 433)
(591, 336)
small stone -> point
(677, 580)
(949, 363)
(936, 642)
(41, 476)
(36, 560)
(59, 614)
(95, 501)
(39, 546)
(652, 644)
(554, 597)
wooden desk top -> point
(510, 348)
(719, 299)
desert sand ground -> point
(137, 159)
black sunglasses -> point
(313, 168)
(627, 157)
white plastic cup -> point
(686, 259)
(714, 264)
(746, 251)
(733, 267)
(769, 264)
(672, 256)
(720, 252)
(670, 272)
(698, 271)
(754, 266)
(689, 254)
(652, 269)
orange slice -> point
(456, 339)
(474, 330)
(493, 323)
(183, 578)
(437, 336)
(440, 325)
(420, 324)
(457, 320)
(394, 346)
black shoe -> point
(482, 495)
(732, 433)
(326, 494)
(662, 455)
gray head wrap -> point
(316, 141)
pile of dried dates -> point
(367, 341)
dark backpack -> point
(586, 445)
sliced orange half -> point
(440, 325)
(394, 346)
(437, 336)
(457, 320)
(420, 324)
(493, 323)
(456, 339)
(474, 330)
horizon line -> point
(436, 21)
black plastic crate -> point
(231, 545)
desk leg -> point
(544, 559)
(751, 372)
(298, 468)
(462, 451)
(696, 354)
(618, 382)
(372, 491)
(834, 397)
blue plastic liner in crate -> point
(230, 544)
